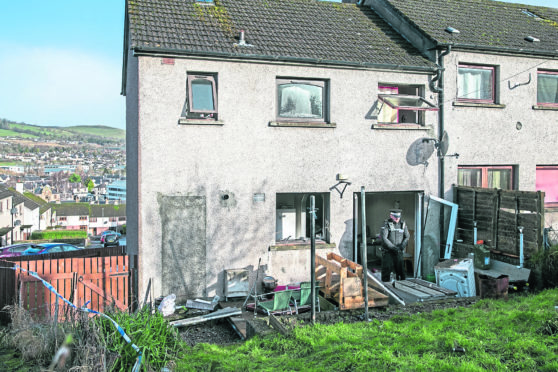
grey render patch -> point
(183, 246)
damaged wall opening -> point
(293, 217)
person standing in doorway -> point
(395, 237)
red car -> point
(16, 249)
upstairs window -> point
(476, 84)
(547, 181)
(202, 96)
(547, 88)
(499, 177)
(302, 100)
(402, 104)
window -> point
(547, 181)
(476, 84)
(121, 218)
(499, 177)
(302, 100)
(61, 218)
(202, 96)
(402, 104)
(293, 220)
(83, 218)
(547, 88)
(93, 219)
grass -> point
(12, 133)
(496, 335)
(98, 130)
(520, 334)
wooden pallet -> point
(341, 280)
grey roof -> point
(108, 210)
(285, 30)
(484, 24)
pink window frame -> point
(552, 204)
(479, 67)
(545, 72)
(391, 88)
(484, 173)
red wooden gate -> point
(95, 281)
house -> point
(499, 98)
(5, 216)
(106, 217)
(238, 111)
(72, 216)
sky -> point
(61, 61)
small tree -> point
(90, 185)
(75, 178)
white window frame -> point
(322, 83)
(202, 114)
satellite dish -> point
(420, 151)
(444, 144)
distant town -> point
(60, 177)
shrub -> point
(58, 234)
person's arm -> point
(406, 237)
(387, 243)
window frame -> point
(545, 72)
(484, 173)
(492, 68)
(302, 214)
(202, 114)
(550, 204)
(323, 83)
(419, 111)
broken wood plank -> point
(448, 292)
(407, 288)
(222, 313)
(276, 324)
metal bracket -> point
(519, 84)
(345, 183)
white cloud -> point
(50, 86)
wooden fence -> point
(98, 278)
(499, 214)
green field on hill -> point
(86, 133)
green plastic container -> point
(482, 257)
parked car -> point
(110, 240)
(15, 250)
(44, 248)
(110, 232)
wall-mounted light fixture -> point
(341, 180)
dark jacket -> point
(395, 236)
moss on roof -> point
(302, 30)
(484, 24)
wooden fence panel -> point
(102, 280)
(499, 214)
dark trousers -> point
(392, 262)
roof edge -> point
(138, 51)
(531, 52)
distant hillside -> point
(85, 133)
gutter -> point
(441, 124)
(155, 52)
(530, 52)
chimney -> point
(19, 187)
